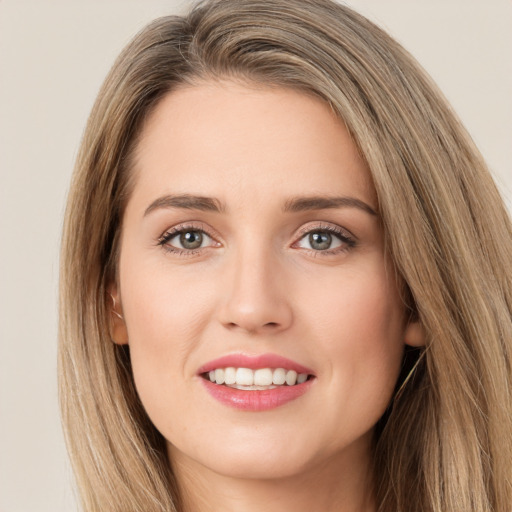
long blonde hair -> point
(446, 441)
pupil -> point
(320, 241)
(191, 239)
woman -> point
(285, 277)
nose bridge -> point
(255, 299)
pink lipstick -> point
(255, 383)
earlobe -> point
(118, 331)
(415, 334)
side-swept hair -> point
(446, 442)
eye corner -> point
(330, 235)
(201, 235)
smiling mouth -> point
(260, 379)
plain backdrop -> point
(53, 58)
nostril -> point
(254, 316)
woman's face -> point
(252, 240)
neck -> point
(333, 486)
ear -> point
(414, 334)
(118, 331)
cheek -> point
(163, 308)
(359, 326)
(362, 305)
(165, 314)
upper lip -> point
(254, 362)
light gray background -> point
(53, 58)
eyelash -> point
(348, 241)
(164, 240)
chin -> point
(255, 467)
(256, 459)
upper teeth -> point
(260, 377)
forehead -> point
(220, 137)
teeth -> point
(291, 377)
(252, 388)
(262, 378)
(244, 377)
(279, 376)
(302, 377)
(219, 376)
(230, 375)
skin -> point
(255, 286)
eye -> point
(183, 239)
(190, 239)
(325, 240)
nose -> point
(255, 298)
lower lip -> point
(256, 400)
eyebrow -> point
(293, 205)
(187, 202)
(301, 204)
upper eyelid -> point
(192, 226)
(325, 226)
(300, 233)
(169, 234)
